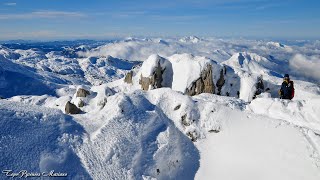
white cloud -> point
(43, 14)
(306, 65)
(10, 4)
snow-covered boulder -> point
(204, 84)
(155, 72)
(82, 92)
(93, 99)
(72, 109)
(188, 74)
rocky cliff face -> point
(259, 86)
(188, 74)
(154, 81)
(221, 80)
(204, 84)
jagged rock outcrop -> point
(184, 120)
(154, 81)
(144, 82)
(221, 80)
(71, 108)
(259, 87)
(82, 93)
(81, 103)
(204, 84)
(188, 74)
(128, 77)
(177, 107)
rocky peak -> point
(202, 85)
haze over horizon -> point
(54, 20)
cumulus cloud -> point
(307, 66)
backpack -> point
(292, 92)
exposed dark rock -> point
(184, 120)
(81, 103)
(214, 131)
(71, 108)
(155, 80)
(221, 80)
(144, 82)
(202, 85)
(128, 78)
(103, 102)
(177, 107)
(259, 87)
(82, 93)
(192, 136)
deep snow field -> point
(148, 127)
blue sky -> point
(105, 19)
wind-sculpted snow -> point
(147, 127)
(39, 140)
(303, 113)
(130, 138)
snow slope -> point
(126, 133)
(131, 138)
(256, 148)
(17, 80)
(38, 139)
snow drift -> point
(38, 139)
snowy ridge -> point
(141, 139)
(301, 113)
(124, 132)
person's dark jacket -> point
(286, 90)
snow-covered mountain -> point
(154, 108)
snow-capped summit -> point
(276, 44)
(190, 39)
(250, 62)
(8, 53)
